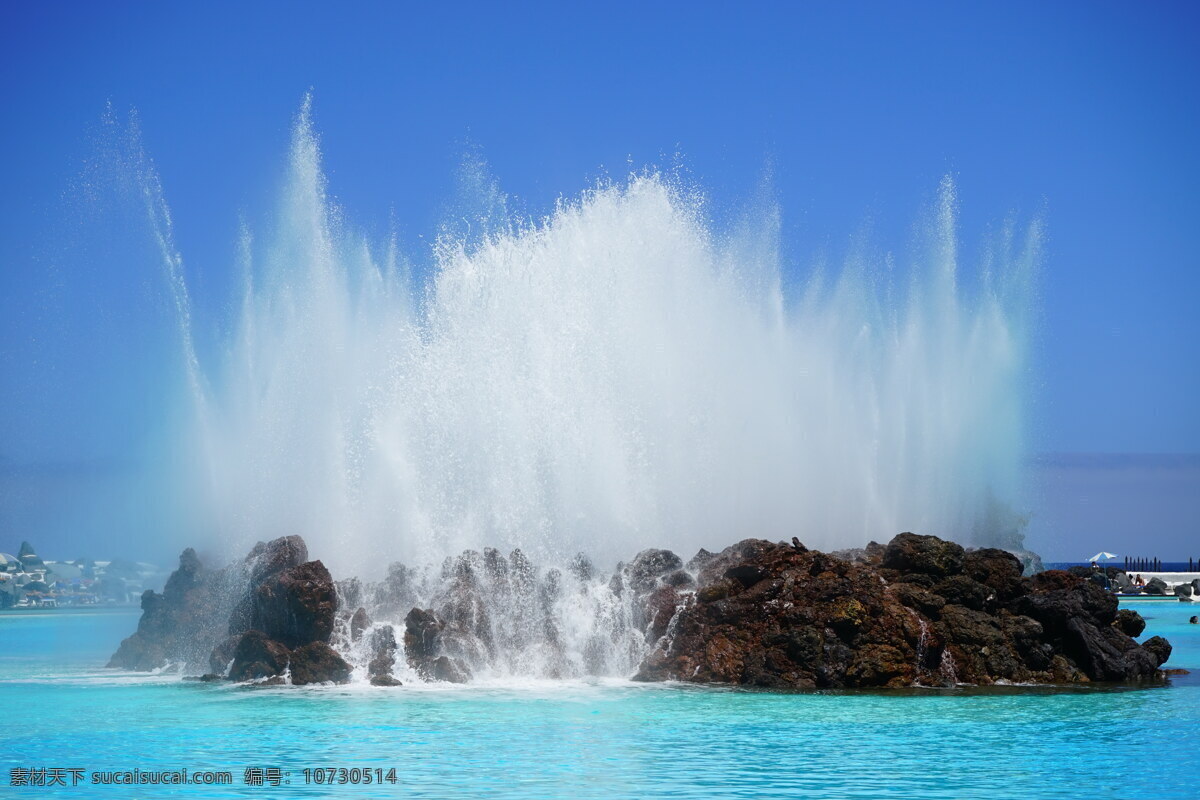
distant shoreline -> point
(14, 611)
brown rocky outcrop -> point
(424, 646)
(317, 662)
(181, 624)
(359, 622)
(257, 656)
(383, 657)
(919, 610)
(296, 605)
(256, 618)
(781, 616)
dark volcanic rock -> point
(872, 554)
(679, 579)
(296, 605)
(359, 622)
(317, 662)
(397, 592)
(1104, 653)
(919, 599)
(424, 643)
(385, 680)
(202, 615)
(383, 656)
(257, 656)
(759, 613)
(182, 624)
(914, 578)
(1056, 597)
(210, 677)
(451, 670)
(422, 634)
(1130, 622)
(267, 559)
(648, 566)
(746, 574)
(659, 610)
(929, 555)
(1159, 647)
(1156, 586)
(464, 605)
(698, 561)
(997, 569)
(146, 649)
(222, 655)
(264, 563)
(350, 593)
(774, 615)
(961, 590)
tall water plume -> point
(612, 377)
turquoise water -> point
(602, 740)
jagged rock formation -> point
(290, 601)
(781, 616)
(425, 645)
(919, 610)
(295, 605)
(181, 624)
(317, 662)
(255, 656)
(383, 657)
(276, 608)
(359, 622)
(1129, 622)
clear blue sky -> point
(1085, 113)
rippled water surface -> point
(587, 740)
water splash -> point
(615, 376)
(922, 643)
(506, 616)
(947, 668)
